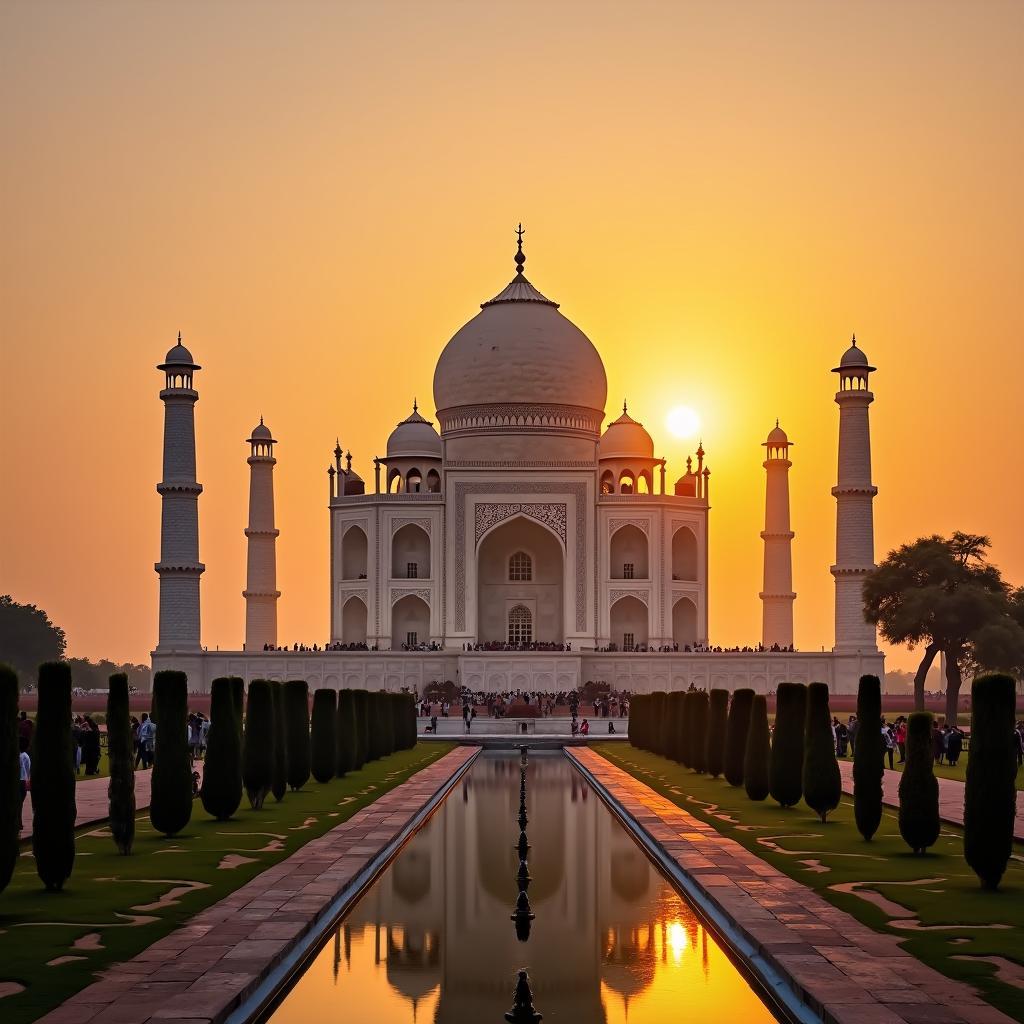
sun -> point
(683, 422)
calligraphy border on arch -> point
(461, 490)
(491, 513)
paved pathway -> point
(203, 970)
(92, 801)
(951, 796)
(847, 973)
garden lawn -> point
(942, 914)
(113, 907)
(945, 771)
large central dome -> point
(519, 351)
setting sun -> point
(683, 422)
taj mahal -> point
(519, 543)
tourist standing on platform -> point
(24, 782)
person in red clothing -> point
(900, 735)
(585, 728)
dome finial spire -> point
(415, 407)
(520, 255)
(179, 337)
(853, 340)
(624, 408)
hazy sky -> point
(319, 195)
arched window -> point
(520, 568)
(520, 625)
(607, 482)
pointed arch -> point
(353, 554)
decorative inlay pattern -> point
(614, 595)
(461, 490)
(399, 592)
(423, 524)
(524, 417)
(360, 592)
(520, 464)
(551, 514)
(640, 524)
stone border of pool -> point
(816, 960)
(230, 960)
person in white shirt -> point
(25, 780)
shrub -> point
(346, 733)
(697, 727)
(674, 715)
(919, 789)
(663, 725)
(170, 801)
(990, 795)
(378, 734)
(361, 704)
(279, 776)
(822, 784)
(238, 698)
(53, 778)
(121, 754)
(10, 775)
(736, 736)
(324, 759)
(788, 743)
(867, 757)
(258, 755)
(659, 708)
(387, 711)
(714, 750)
(757, 757)
(222, 772)
(405, 721)
(296, 710)
(686, 732)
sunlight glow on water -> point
(432, 940)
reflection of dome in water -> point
(631, 874)
(413, 962)
(628, 962)
(411, 874)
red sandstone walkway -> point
(951, 796)
(92, 801)
(204, 970)
(847, 973)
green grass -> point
(106, 890)
(958, 773)
(796, 842)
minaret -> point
(777, 597)
(261, 591)
(179, 566)
(854, 492)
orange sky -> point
(319, 195)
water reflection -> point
(431, 940)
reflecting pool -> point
(433, 939)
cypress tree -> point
(121, 754)
(324, 752)
(279, 778)
(170, 801)
(822, 784)
(238, 698)
(659, 708)
(222, 771)
(757, 757)
(684, 728)
(867, 757)
(788, 743)
(676, 718)
(10, 774)
(258, 753)
(296, 705)
(405, 721)
(736, 735)
(634, 725)
(990, 797)
(378, 739)
(919, 789)
(53, 778)
(361, 705)
(714, 751)
(697, 727)
(387, 710)
(347, 738)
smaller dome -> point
(179, 354)
(853, 359)
(625, 438)
(354, 483)
(414, 437)
(777, 437)
(686, 485)
(261, 432)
